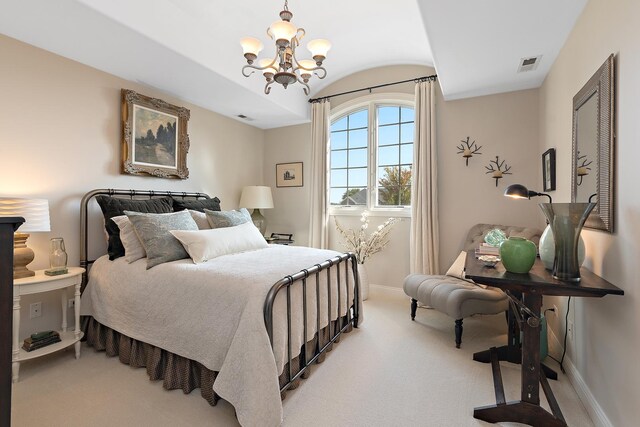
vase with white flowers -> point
(364, 244)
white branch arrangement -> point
(362, 245)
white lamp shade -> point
(266, 61)
(307, 65)
(251, 45)
(319, 47)
(34, 211)
(256, 197)
(283, 30)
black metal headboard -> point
(84, 223)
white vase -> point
(363, 280)
(547, 249)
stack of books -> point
(487, 249)
(41, 339)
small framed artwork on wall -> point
(155, 139)
(549, 170)
(289, 174)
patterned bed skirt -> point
(175, 371)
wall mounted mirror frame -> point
(593, 146)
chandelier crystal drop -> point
(285, 68)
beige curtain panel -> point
(318, 231)
(424, 241)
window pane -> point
(339, 124)
(338, 140)
(339, 159)
(407, 115)
(388, 115)
(405, 196)
(357, 138)
(406, 132)
(355, 196)
(388, 135)
(389, 196)
(358, 120)
(405, 177)
(406, 154)
(338, 178)
(358, 158)
(358, 177)
(336, 195)
(388, 155)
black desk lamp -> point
(519, 191)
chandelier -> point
(285, 68)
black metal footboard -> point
(341, 265)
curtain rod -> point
(415, 80)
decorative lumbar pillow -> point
(201, 219)
(153, 232)
(457, 269)
(197, 205)
(112, 206)
(227, 218)
(133, 249)
(204, 245)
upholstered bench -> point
(459, 298)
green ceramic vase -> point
(518, 254)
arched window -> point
(371, 154)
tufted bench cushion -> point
(454, 297)
(459, 298)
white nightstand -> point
(43, 283)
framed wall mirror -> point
(592, 165)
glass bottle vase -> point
(566, 221)
(57, 256)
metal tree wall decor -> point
(468, 149)
(583, 167)
(497, 169)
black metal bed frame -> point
(286, 283)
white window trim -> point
(370, 102)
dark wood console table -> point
(7, 226)
(525, 292)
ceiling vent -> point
(243, 117)
(529, 63)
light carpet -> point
(389, 372)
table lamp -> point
(36, 215)
(257, 197)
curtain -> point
(424, 240)
(318, 232)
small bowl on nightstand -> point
(489, 260)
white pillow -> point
(457, 269)
(133, 249)
(201, 219)
(203, 245)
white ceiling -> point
(190, 48)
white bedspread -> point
(213, 313)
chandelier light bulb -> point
(264, 63)
(306, 65)
(319, 49)
(251, 47)
(283, 30)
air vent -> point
(529, 63)
(243, 117)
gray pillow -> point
(222, 219)
(153, 232)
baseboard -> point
(590, 403)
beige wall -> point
(60, 138)
(506, 125)
(607, 340)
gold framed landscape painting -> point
(155, 139)
(289, 174)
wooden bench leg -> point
(458, 332)
(414, 307)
